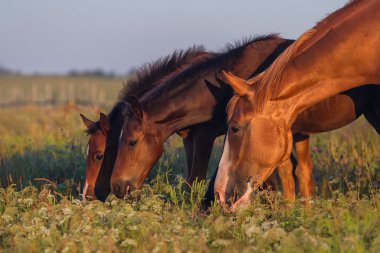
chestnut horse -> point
(193, 97)
(342, 52)
(145, 78)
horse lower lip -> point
(222, 203)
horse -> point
(144, 79)
(94, 152)
(341, 52)
(194, 99)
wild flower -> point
(67, 211)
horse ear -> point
(239, 85)
(103, 122)
(135, 106)
(86, 121)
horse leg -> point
(215, 128)
(285, 171)
(304, 169)
(203, 144)
(188, 144)
(209, 196)
(202, 148)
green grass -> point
(47, 215)
(161, 218)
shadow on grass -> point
(64, 166)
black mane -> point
(149, 74)
(92, 129)
(146, 77)
(223, 60)
(243, 43)
(117, 111)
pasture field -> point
(42, 168)
(16, 90)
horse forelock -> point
(93, 128)
(231, 106)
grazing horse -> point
(192, 97)
(340, 53)
(145, 78)
(95, 151)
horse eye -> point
(234, 129)
(99, 157)
(132, 143)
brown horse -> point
(193, 96)
(342, 52)
(146, 77)
(95, 151)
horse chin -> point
(90, 196)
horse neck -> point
(344, 58)
(195, 104)
(180, 108)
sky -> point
(53, 37)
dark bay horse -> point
(194, 99)
(340, 53)
(146, 77)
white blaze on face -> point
(85, 191)
(121, 135)
(88, 149)
(222, 175)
